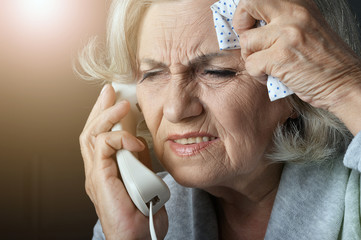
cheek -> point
(246, 119)
(151, 105)
(238, 105)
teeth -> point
(193, 140)
(205, 139)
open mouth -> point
(190, 143)
(193, 140)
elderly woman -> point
(260, 169)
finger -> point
(86, 147)
(105, 100)
(101, 124)
(258, 39)
(105, 169)
(248, 11)
(87, 153)
(242, 20)
(275, 61)
(108, 143)
(106, 120)
(255, 64)
(144, 156)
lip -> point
(189, 149)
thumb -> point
(144, 156)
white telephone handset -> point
(145, 188)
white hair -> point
(315, 135)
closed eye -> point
(220, 73)
(224, 73)
(150, 75)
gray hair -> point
(316, 135)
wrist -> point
(347, 106)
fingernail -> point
(103, 89)
(102, 97)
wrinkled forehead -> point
(177, 29)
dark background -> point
(43, 109)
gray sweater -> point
(313, 201)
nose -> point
(181, 102)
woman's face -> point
(210, 121)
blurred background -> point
(43, 108)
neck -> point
(244, 208)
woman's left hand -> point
(298, 46)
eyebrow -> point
(199, 60)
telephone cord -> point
(151, 224)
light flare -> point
(39, 13)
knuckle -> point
(301, 13)
(88, 187)
(87, 190)
(294, 35)
(102, 138)
(83, 138)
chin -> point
(194, 177)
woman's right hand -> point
(119, 217)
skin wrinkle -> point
(174, 45)
(321, 88)
(249, 128)
(202, 59)
(198, 62)
(236, 109)
(222, 164)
